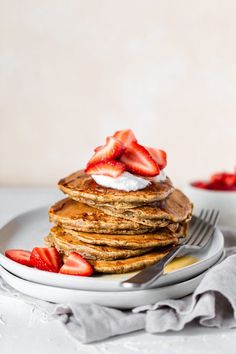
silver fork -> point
(202, 229)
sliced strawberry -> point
(217, 186)
(223, 181)
(222, 176)
(159, 156)
(138, 160)
(19, 256)
(110, 168)
(218, 177)
(200, 184)
(110, 151)
(125, 136)
(46, 259)
(230, 180)
(75, 264)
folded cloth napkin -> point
(213, 304)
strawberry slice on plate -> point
(75, 264)
(125, 136)
(110, 151)
(19, 256)
(46, 259)
(138, 160)
(159, 156)
(109, 168)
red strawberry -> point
(19, 256)
(126, 136)
(110, 168)
(216, 186)
(230, 180)
(46, 259)
(138, 160)
(223, 181)
(75, 264)
(200, 184)
(159, 156)
(218, 177)
(110, 151)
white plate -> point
(122, 299)
(28, 230)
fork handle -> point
(147, 276)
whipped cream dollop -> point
(127, 181)
(159, 178)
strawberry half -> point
(46, 259)
(159, 156)
(138, 160)
(110, 151)
(125, 136)
(19, 256)
(110, 168)
(75, 264)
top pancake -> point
(81, 187)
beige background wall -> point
(73, 71)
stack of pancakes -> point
(115, 230)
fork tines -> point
(203, 228)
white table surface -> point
(23, 329)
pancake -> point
(166, 224)
(81, 217)
(131, 264)
(68, 243)
(160, 239)
(121, 266)
(81, 187)
(175, 208)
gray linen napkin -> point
(213, 304)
